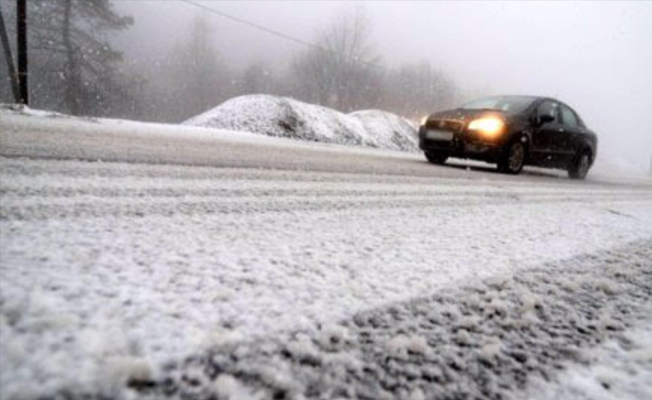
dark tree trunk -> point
(13, 76)
(22, 50)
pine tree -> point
(73, 67)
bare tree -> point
(419, 88)
(198, 78)
(341, 69)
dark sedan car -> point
(511, 131)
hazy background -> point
(596, 56)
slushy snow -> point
(110, 270)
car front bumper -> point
(462, 145)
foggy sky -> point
(596, 56)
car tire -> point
(580, 165)
(436, 157)
(513, 160)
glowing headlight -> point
(424, 119)
(489, 126)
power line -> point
(254, 25)
(272, 31)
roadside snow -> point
(389, 128)
(285, 117)
(619, 369)
(39, 134)
(110, 270)
(527, 326)
(123, 267)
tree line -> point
(75, 69)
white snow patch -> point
(463, 337)
(606, 285)
(403, 345)
(469, 322)
(528, 301)
(490, 349)
(398, 345)
(289, 118)
(120, 370)
(181, 277)
(417, 394)
(388, 128)
(303, 348)
(228, 387)
(620, 369)
(334, 337)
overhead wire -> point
(271, 31)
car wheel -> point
(580, 166)
(436, 157)
(514, 158)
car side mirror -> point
(544, 119)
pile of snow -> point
(284, 117)
(386, 128)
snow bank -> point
(284, 117)
(389, 128)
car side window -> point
(549, 108)
(568, 116)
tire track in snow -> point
(142, 288)
(124, 208)
(488, 340)
(55, 196)
(54, 187)
(61, 169)
(65, 138)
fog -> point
(595, 56)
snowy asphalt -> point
(189, 263)
(60, 137)
(485, 339)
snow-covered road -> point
(184, 242)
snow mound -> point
(289, 118)
(389, 128)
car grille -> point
(445, 124)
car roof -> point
(537, 99)
(532, 97)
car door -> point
(571, 140)
(546, 139)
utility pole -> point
(22, 50)
(13, 76)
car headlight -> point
(424, 119)
(488, 126)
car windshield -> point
(508, 104)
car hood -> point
(463, 115)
